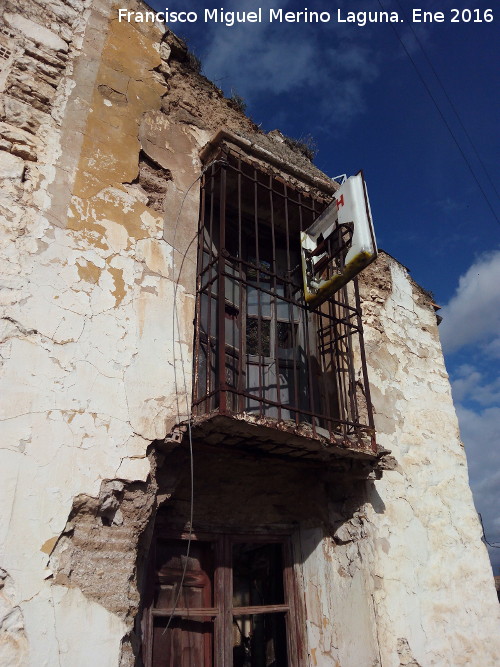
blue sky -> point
(355, 90)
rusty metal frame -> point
(241, 205)
(222, 610)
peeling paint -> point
(119, 291)
(89, 272)
(49, 545)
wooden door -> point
(182, 633)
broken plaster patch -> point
(13, 641)
(134, 468)
(406, 658)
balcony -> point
(271, 373)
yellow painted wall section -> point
(125, 88)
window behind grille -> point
(231, 601)
(258, 349)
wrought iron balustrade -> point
(258, 349)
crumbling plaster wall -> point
(402, 576)
(88, 358)
(61, 433)
(101, 126)
(433, 595)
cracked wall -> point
(101, 125)
(86, 319)
(433, 598)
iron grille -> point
(258, 349)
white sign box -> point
(352, 209)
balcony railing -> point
(259, 351)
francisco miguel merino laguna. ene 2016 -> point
(231, 18)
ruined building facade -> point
(153, 335)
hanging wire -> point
(175, 322)
(443, 118)
(450, 102)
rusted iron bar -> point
(221, 305)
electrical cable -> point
(443, 118)
(175, 321)
(450, 101)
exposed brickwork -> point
(98, 549)
(33, 77)
(153, 179)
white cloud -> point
(480, 433)
(472, 318)
(278, 58)
(492, 349)
(469, 384)
(473, 313)
(481, 436)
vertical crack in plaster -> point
(56, 636)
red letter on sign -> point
(340, 202)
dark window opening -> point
(258, 348)
(235, 605)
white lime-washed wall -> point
(431, 572)
(87, 379)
